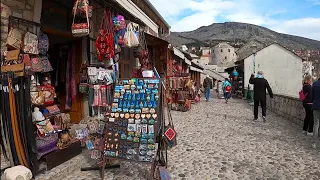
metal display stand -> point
(159, 139)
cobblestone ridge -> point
(220, 141)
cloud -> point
(187, 15)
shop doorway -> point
(56, 20)
(64, 50)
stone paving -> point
(220, 141)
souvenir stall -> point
(33, 114)
(125, 114)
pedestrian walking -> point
(305, 97)
(315, 94)
(260, 85)
(226, 87)
(207, 85)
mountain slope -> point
(240, 32)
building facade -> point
(282, 68)
(223, 55)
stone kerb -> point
(287, 107)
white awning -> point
(178, 53)
(138, 13)
(195, 69)
(187, 61)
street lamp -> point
(254, 52)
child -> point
(226, 87)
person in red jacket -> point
(307, 104)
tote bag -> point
(130, 37)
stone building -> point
(223, 55)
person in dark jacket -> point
(207, 84)
(315, 96)
(260, 84)
(307, 104)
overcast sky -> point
(296, 17)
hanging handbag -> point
(130, 37)
(81, 9)
(37, 98)
(30, 43)
(104, 43)
(48, 92)
(27, 61)
(81, 29)
(14, 39)
(13, 55)
(36, 64)
(46, 65)
(43, 44)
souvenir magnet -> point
(151, 146)
(137, 116)
(151, 122)
(144, 121)
(112, 114)
(132, 115)
(144, 129)
(131, 121)
(138, 121)
(129, 138)
(143, 141)
(138, 111)
(89, 144)
(116, 115)
(122, 115)
(127, 115)
(143, 153)
(151, 128)
(131, 111)
(111, 119)
(136, 139)
(150, 153)
(145, 110)
(152, 110)
(154, 116)
(123, 136)
(125, 110)
(115, 100)
(131, 133)
(150, 141)
(148, 116)
(132, 127)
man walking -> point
(315, 95)
(260, 84)
(207, 84)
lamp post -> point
(254, 52)
(250, 91)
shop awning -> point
(152, 40)
(196, 69)
(187, 61)
(178, 53)
(138, 13)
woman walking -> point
(307, 104)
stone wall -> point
(287, 107)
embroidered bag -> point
(30, 43)
(27, 61)
(81, 29)
(44, 127)
(105, 39)
(14, 38)
(46, 65)
(46, 144)
(36, 64)
(53, 109)
(49, 93)
(37, 98)
(43, 44)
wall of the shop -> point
(25, 9)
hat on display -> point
(37, 115)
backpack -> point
(228, 88)
(43, 44)
(302, 96)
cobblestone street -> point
(220, 141)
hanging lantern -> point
(235, 73)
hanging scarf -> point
(73, 78)
(68, 88)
